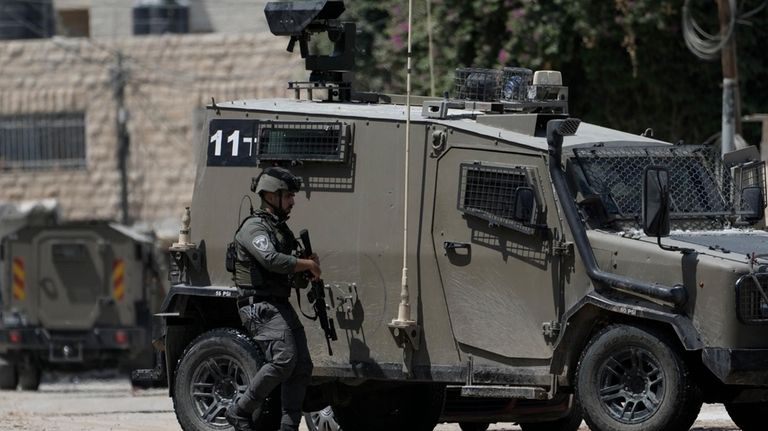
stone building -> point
(59, 111)
(110, 19)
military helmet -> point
(274, 179)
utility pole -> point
(119, 77)
(731, 124)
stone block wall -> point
(170, 80)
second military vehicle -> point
(486, 257)
(74, 296)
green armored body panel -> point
(486, 257)
(75, 295)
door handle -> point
(454, 245)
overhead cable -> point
(705, 45)
(701, 43)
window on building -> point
(24, 19)
(153, 17)
(73, 23)
(42, 141)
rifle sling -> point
(298, 300)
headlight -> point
(752, 299)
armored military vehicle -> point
(486, 257)
(74, 296)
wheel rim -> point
(217, 381)
(631, 385)
(324, 420)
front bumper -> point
(738, 366)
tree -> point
(625, 61)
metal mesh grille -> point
(569, 126)
(37, 141)
(482, 85)
(508, 89)
(700, 186)
(515, 83)
(301, 141)
(489, 192)
(751, 305)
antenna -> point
(406, 331)
(404, 310)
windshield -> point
(700, 186)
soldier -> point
(264, 269)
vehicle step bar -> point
(490, 391)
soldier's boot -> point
(290, 420)
(239, 419)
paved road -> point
(69, 404)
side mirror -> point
(752, 203)
(525, 201)
(656, 201)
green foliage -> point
(625, 61)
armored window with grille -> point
(490, 191)
(42, 141)
(700, 186)
(76, 268)
(302, 141)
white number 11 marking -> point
(234, 138)
(217, 138)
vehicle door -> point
(495, 269)
(72, 278)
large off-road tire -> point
(29, 377)
(474, 426)
(748, 416)
(215, 368)
(9, 377)
(322, 420)
(412, 408)
(567, 423)
(632, 378)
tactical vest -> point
(250, 274)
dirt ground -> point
(106, 402)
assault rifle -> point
(316, 297)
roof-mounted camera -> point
(302, 19)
